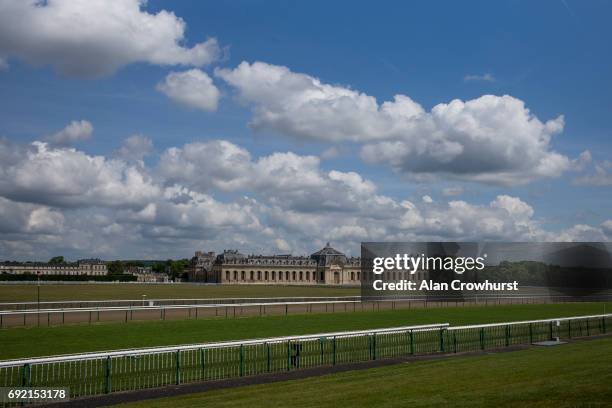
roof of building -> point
(328, 250)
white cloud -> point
(94, 38)
(491, 139)
(135, 148)
(59, 200)
(75, 131)
(427, 199)
(601, 175)
(193, 88)
(486, 77)
(68, 177)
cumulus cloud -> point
(68, 177)
(135, 148)
(75, 131)
(56, 199)
(94, 38)
(600, 176)
(491, 139)
(193, 88)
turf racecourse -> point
(576, 374)
(46, 341)
(108, 291)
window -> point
(307, 275)
(251, 275)
(352, 276)
(273, 275)
(258, 275)
(287, 275)
(266, 275)
(301, 275)
(293, 276)
(235, 275)
(242, 275)
(227, 275)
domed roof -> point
(328, 250)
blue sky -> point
(554, 56)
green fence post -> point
(551, 330)
(288, 355)
(482, 338)
(178, 367)
(269, 364)
(507, 335)
(454, 341)
(203, 360)
(321, 347)
(374, 346)
(530, 334)
(442, 340)
(241, 360)
(26, 376)
(334, 355)
(569, 329)
(108, 375)
(603, 321)
(587, 327)
(411, 342)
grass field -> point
(50, 292)
(45, 341)
(577, 374)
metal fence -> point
(138, 312)
(99, 373)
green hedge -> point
(75, 278)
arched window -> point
(301, 276)
(273, 275)
(294, 275)
(266, 275)
(251, 275)
(242, 275)
(258, 275)
(227, 275)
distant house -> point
(90, 267)
(146, 274)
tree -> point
(56, 260)
(115, 267)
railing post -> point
(334, 355)
(603, 321)
(507, 335)
(530, 334)
(442, 340)
(178, 367)
(411, 342)
(25, 376)
(322, 349)
(268, 357)
(203, 361)
(482, 338)
(242, 360)
(569, 329)
(454, 341)
(374, 346)
(108, 375)
(587, 327)
(288, 355)
(551, 330)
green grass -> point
(45, 341)
(51, 292)
(577, 374)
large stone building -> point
(91, 267)
(327, 266)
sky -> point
(149, 130)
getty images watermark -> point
(465, 269)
